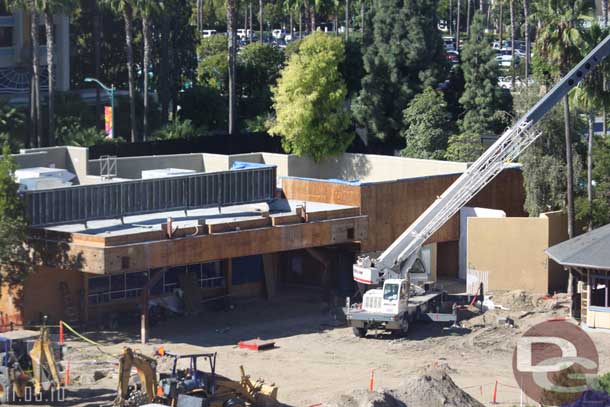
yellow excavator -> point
(187, 386)
(28, 375)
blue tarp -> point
(242, 165)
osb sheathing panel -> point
(393, 206)
(199, 249)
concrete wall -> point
(132, 167)
(511, 251)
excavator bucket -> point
(44, 365)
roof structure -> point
(590, 250)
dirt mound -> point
(434, 388)
(520, 300)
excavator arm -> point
(402, 254)
(147, 372)
(43, 359)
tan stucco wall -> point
(558, 232)
(511, 251)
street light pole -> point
(110, 91)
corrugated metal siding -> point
(115, 199)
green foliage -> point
(427, 125)
(72, 132)
(601, 185)
(204, 107)
(352, 67)
(481, 99)
(405, 55)
(14, 256)
(212, 45)
(544, 167)
(12, 127)
(258, 67)
(176, 129)
(560, 39)
(213, 71)
(603, 383)
(309, 100)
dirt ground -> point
(317, 358)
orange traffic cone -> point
(67, 376)
(494, 397)
(372, 380)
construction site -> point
(266, 279)
(213, 262)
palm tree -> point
(605, 12)
(125, 8)
(147, 9)
(35, 116)
(231, 31)
(501, 22)
(513, 34)
(468, 18)
(457, 27)
(347, 19)
(97, 54)
(590, 96)
(29, 6)
(49, 9)
(560, 42)
(526, 29)
(260, 17)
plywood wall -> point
(393, 206)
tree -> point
(605, 12)
(406, 55)
(560, 42)
(49, 9)
(176, 130)
(544, 169)
(14, 256)
(232, 36)
(309, 100)
(125, 8)
(481, 99)
(528, 47)
(427, 125)
(147, 9)
(591, 96)
(513, 35)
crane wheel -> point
(359, 332)
(234, 403)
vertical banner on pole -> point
(108, 121)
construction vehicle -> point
(28, 370)
(188, 386)
(398, 269)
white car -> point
(504, 58)
(278, 34)
(242, 33)
(208, 33)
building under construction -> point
(112, 234)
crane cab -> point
(392, 298)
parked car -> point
(453, 57)
(504, 58)
(207, 33)
(278, 33)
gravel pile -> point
(434, 388)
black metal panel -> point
(116, 199)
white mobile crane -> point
(398, 269)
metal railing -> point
(82, 203)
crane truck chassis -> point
(393, 309)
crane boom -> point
(404, 251)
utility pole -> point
(260, 15)
(457, 28)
